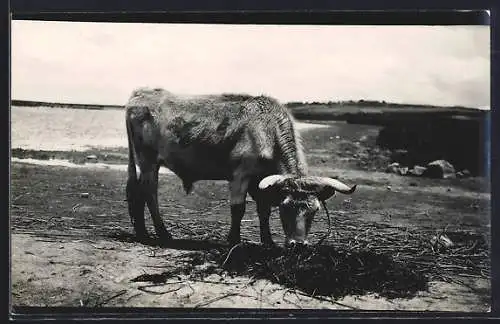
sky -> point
(101, 63)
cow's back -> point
(209, 118)
(218, 126)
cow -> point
(249, 141)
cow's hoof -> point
(164, 241)
(269, 244)
(144, 239)
(164, 236)
(233, 240)
(141, 235)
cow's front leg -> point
(264, 212)
(238, 190)
(149, 181)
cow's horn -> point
(330, 183)
(271, 181)
(337, 185)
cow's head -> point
(299, 200)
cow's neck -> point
(293, 158)
(291, 167)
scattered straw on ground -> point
(357, 259)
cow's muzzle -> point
(294, 242)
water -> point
(66, 129)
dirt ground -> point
(72, 242)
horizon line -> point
(350, 101)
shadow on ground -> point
(179, 244)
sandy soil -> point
(96, 273)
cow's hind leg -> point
(136, 204)
(135, 194)
(149, 183)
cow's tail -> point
(132, 172)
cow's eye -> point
(313, 205)
(288, 201)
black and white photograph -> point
(250, 166)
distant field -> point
(381, 115)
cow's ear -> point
(325, 193)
